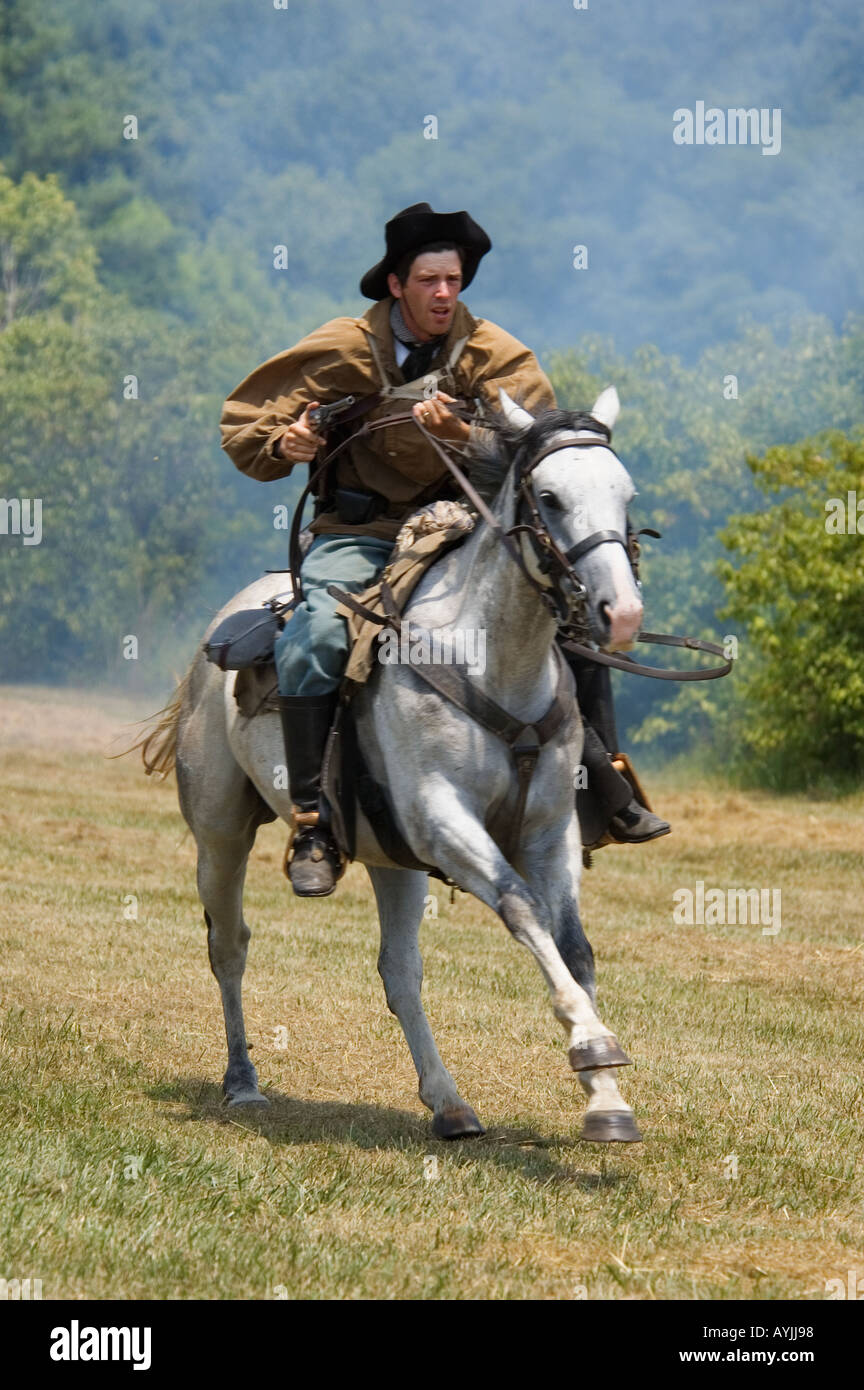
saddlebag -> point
(244, 639)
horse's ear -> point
(606, 408)
(513, 413)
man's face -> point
(428, 297)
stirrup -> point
(326, 853)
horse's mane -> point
(490, 463)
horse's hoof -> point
(456, 1122)
(599, 1052)
(610, 1127)
(248, 1098)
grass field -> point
(123, 1177)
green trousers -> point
(312, 649)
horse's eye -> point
(551, 501)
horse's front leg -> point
(448, 829)
(551, 863)
(401, 897)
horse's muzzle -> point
(622, 618)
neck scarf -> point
(420, 355)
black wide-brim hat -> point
(413, 227)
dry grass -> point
(113, 1050)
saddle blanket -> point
(425, 536)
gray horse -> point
(445, 774)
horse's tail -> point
(159, 744)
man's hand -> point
(299, 443)
(438, 420)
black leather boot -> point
(315, 864)
(606, 793)
(608, 805)
(636, 824)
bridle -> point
(566, 596)
(567, 593)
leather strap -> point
(620, 662)
(526, 754)
(591, 542)
(407, 389)
(456, 686)
(574, 441)
(626, 663)
(361, 407)
(462, 691)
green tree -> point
(108, 417)
(685, 441)
(800, 591)
(47, 260)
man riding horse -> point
(419, 346)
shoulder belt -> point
(409, 390)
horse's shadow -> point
(290, 1120)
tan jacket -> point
(354, 356)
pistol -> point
(324, 415)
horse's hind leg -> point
(222, 862)
(223, 810)
(401, 895)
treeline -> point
(108, 415)
(692, 437)
(306, 126)
(138, 287)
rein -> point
(525, 741)
(368, 427)
(626, 663)
(549, 555)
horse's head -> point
(573, 495)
